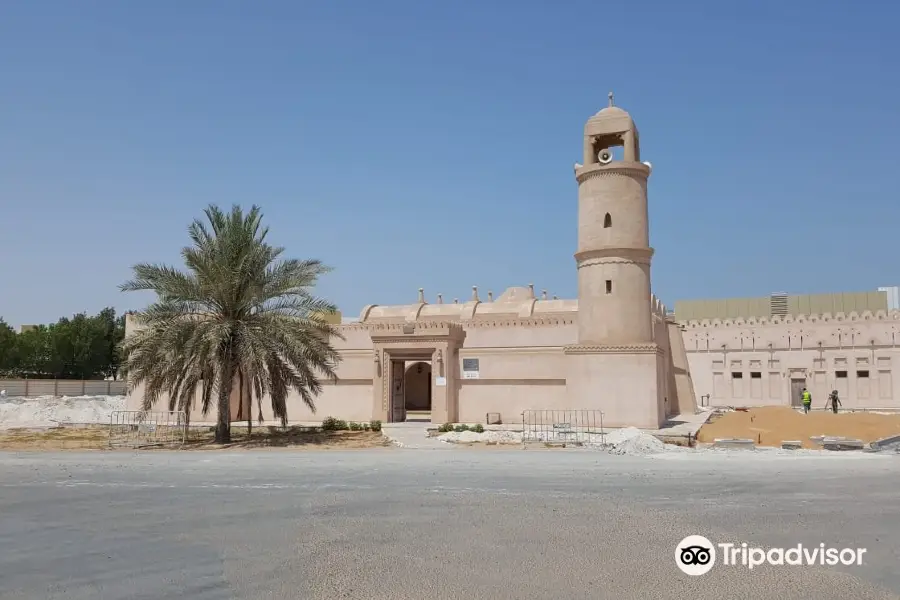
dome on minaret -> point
(611, 113)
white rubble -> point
(494, 437)
(51, 411)
(627, 441)
(630, 441)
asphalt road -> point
(406, 524)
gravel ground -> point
(416, 524)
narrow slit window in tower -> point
(607, 221)
(609, 286)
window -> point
(840, 374)
(755, 375)
(862, 374)
(609, 286)
(607, 221)
(737, 375)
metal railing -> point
(577, 427)
(141, 429)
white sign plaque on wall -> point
(440, 381)
(470, 368)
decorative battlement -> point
(853, 316)
(375, 326)
(613, 349)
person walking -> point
(807, 400)
(834, 401)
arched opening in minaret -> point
(607, 221)
(609, 286)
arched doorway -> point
(417, 382)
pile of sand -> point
(51, 411)
(772, 425)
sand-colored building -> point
(612, 349)
(765, 350)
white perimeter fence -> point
(62, 387)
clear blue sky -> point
(430, 144)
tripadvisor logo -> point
(696, 555)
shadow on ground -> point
(98, 438)
(291, 437)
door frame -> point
(436, 342)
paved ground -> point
(415, 524)
(413, 436)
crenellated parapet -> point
(529, 322)
(549, 321)
(824, 318)
(795, 332)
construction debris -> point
(772, 425)
(734, 443)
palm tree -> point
(239, 311)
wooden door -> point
(398, 393)
(797, 386)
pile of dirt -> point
(772, 425)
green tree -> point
(113, 329)
(238, 311)
(8, 350)
(80, 346)
(34, 348)
(77, 347)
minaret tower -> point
(613, 234)
(614, 363)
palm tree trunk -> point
(249, 405)
(223, 424)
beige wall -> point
(768, 353)
(522, 365)
(513, 379)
